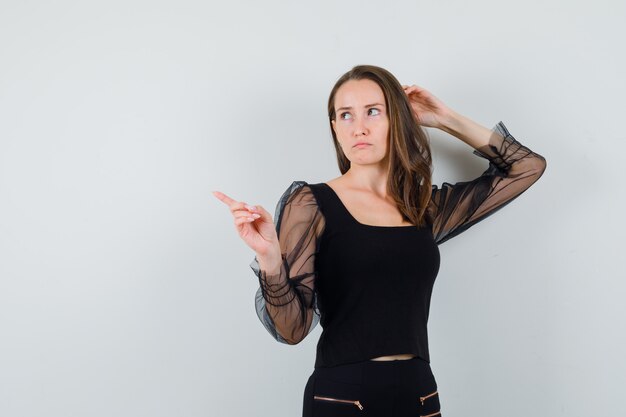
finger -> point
(223, 197)
(244, 220)
(242, 216)
(241, 206)
(258, 209)
(233, 204)
(416, 87)
(415, 90)
(256, 212)
(263, 214)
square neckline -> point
(354, 220)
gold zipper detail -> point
(355, 402)
(422, 399)
(433, 414)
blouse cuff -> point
(275, 289)
(503, 150)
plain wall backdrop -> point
(124, 287)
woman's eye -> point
(375, 110)
(343, 114)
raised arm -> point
(513, 168)
(286, 301)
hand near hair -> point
(429, 111)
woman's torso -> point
(371, 210)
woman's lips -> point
(361, 145)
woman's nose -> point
(359, 127)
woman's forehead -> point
(359, 93)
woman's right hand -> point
(254, 225)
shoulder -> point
(300, 192)
(336, 182)
(299, 205)
(311, 187)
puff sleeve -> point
(513, 168)
(286, 303)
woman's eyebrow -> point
(367, 105)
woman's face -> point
(361, 117)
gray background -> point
(124, 288)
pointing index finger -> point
(223, 197)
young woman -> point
(359, 253)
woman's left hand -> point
(429, 111)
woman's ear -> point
(332, 122)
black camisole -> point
(374, 283)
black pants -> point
(397, 388)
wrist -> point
(451, 122)
(464, 128)
(271, 263)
